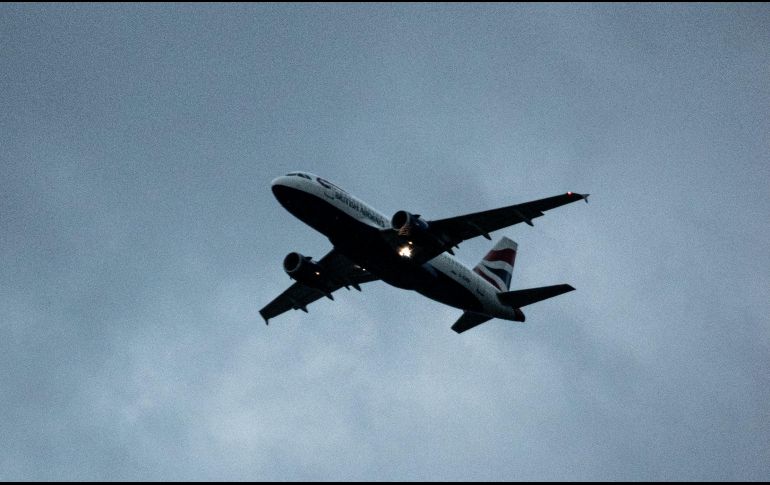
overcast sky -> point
(139, 238)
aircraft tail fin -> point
(497, 266)
(520, 298)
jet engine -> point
(416, 235)
(409, 225)
(304, 270)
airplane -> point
(406, 251)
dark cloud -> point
(139, 238)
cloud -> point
(139, 239)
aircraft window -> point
(299, 174)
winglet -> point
(582, 196)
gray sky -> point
(139, 238)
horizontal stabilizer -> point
(468, 321)
(520, 298)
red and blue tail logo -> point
(497, 266)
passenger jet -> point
(406, 251)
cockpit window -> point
(299, 174)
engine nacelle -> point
(409, 225)
(304, 270)
(416, 236)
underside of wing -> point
(468, 321)
(521, 298)
(421, 240)
(296, 297)
(336, 271)
(461, 228)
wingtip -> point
(579, 196)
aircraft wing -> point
(339, 271)
(458, 229)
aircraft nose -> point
(277, 187)
(281, 191)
